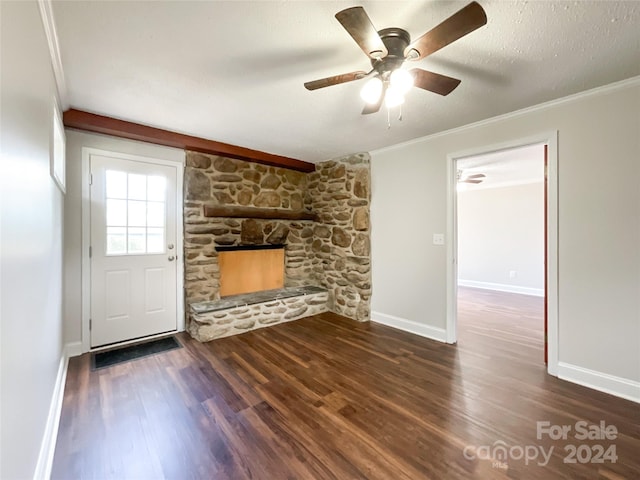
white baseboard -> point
(434, 333)
(501, 287)
(603, 382)
(48, 445)
(73, 349)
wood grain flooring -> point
(329, 398)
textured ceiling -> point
(234, 71)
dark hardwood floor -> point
(329, 398)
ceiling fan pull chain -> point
(400, 114)
(388, 119)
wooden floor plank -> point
(329, 398)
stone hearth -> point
(242, 313)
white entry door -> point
(133, 249)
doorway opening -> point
(500, 224)
(503, 247)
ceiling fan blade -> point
(335, 80)
(456, 26)
(357, 23)
(476, 175)
(470, 181)
(434, 82)
(373, 108)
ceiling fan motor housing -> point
(396, 40)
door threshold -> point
(132, 341)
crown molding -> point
(46, 13)
(602, 90)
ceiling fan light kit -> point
(389, 48)
(401, 80)
(371, 91)
(394, 97)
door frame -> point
(551, 294)
(86, 238)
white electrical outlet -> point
(438, 238)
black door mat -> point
(133, 352)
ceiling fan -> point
(473, 178)
(389, 48)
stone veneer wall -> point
(341, 195)
(214, 180)
(333, 252)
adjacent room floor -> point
(329, 398)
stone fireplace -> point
(320, 221)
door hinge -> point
(90, 324)
(90, 251)
(91, 179)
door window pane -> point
(116, 184)
(156, 188)
(137, 187)
(116, 212)
(135, 213)
(136, 241)
(116, 240)
(155, 214)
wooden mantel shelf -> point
(255, 212)
(91, 122)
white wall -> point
(501, 230)
(598, 215)
(76, 140)
(31, 242)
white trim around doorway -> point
(551, 140)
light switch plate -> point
(438, 238)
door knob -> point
(170, 246)
(171, 258)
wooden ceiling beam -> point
(91, 122)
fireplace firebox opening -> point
(248, 269)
